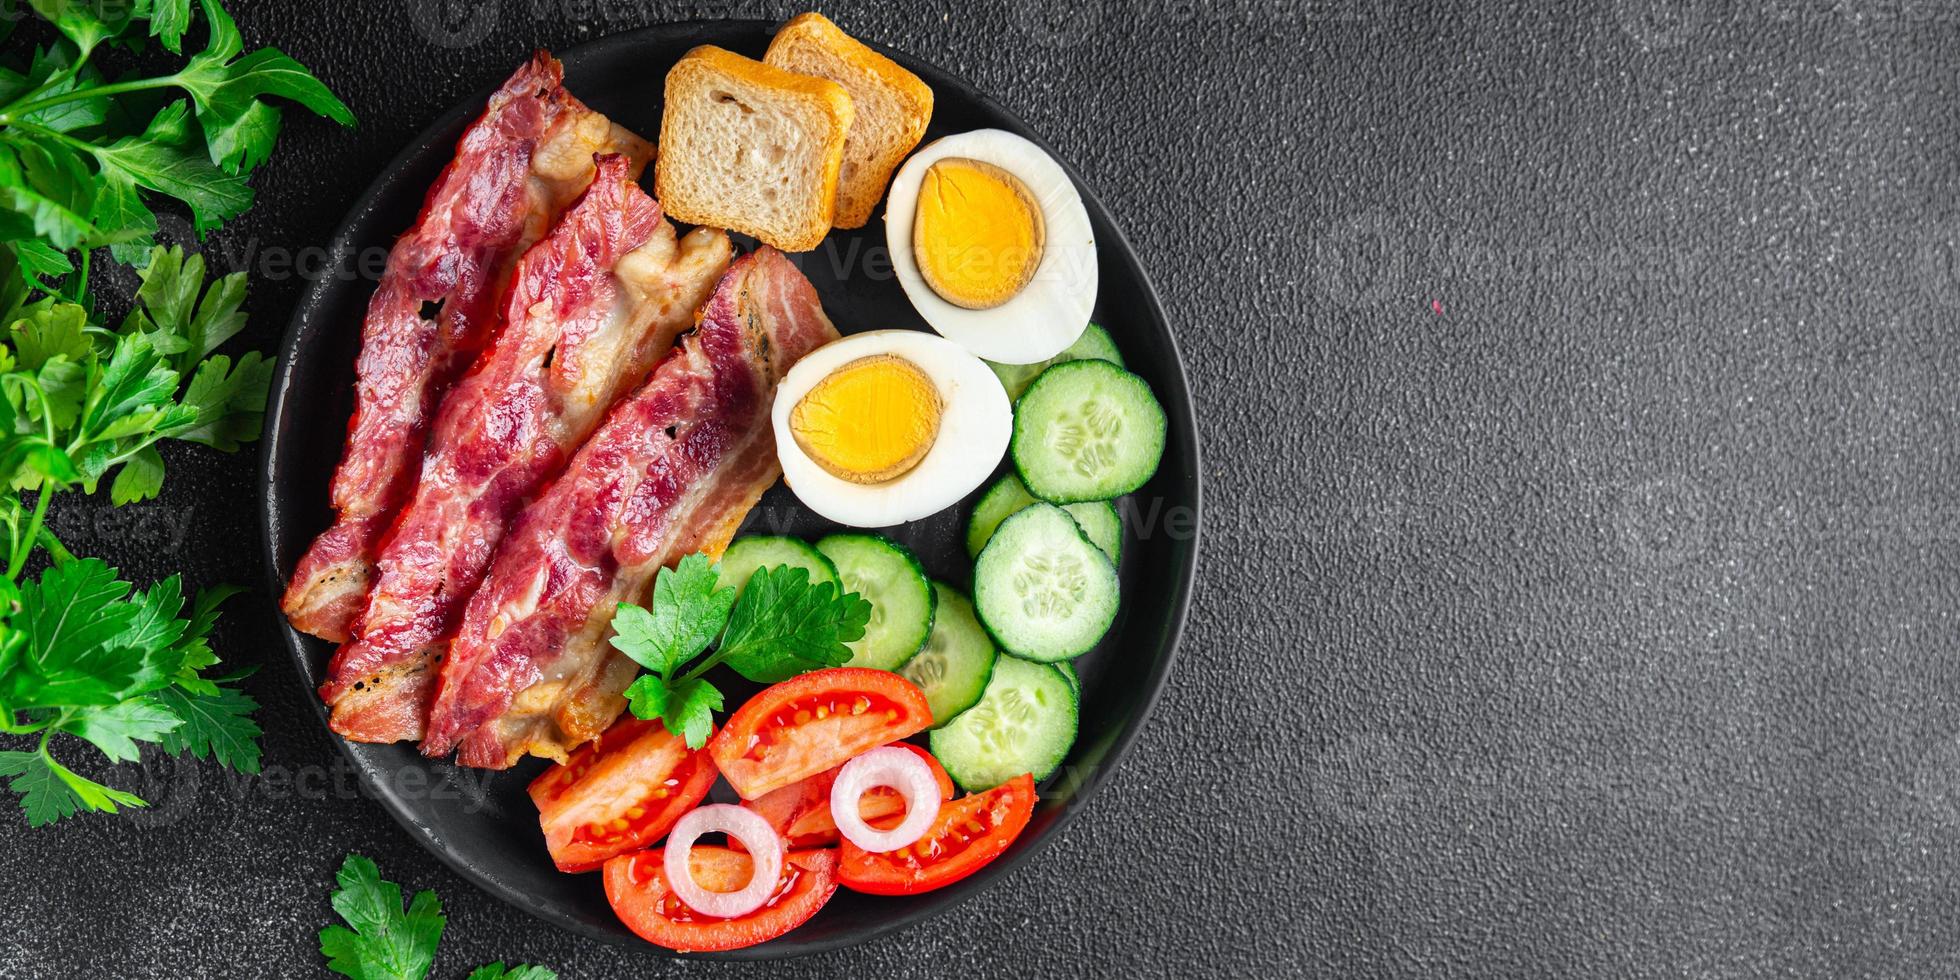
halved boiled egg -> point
(889, 426)
(993, 246)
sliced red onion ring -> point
(757, 837)
(899, 769)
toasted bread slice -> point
(751, 148)
(893, 106)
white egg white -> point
(974, 427)
(1051, 312)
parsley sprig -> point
(781, 625)
(82, 154)
(382, 941)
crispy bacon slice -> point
(515, 171)
(673, 470)
(591, 309)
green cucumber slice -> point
(767, 551)
(890, 578)
(1098, 519)
(1025, 722)
(1042, 589)
(1095, 344)
(957, 660)
(1087, 430)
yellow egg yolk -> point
(978, 233)
(869, 421)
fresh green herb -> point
(498, 971)
(85, 656)
(80, 153)
(83, 157)
(781, 625)
(381, 941)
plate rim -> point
(296, 643)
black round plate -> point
(482, 824)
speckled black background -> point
(1581, 544)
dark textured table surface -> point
(1579, 575)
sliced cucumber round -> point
(767, 551)
(890, 578)
(957, 660)
(1041, 588)
(1087, 430)
(1102, 524)
(1098, 519)
(1095, 344)
(1024, 723)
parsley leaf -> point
(784, 625)
(71, 616)
(498, 971)
(384, 942)
(50, 792)
(217, 725)
(44, 192)
(685, 614)
(780, 625)
(38, 259)
(686, 707)
(169, 19)
(238, 132)
(48, 330)
(214, 196)
(86, 24)
(116, 728)
(82, 655)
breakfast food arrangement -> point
(587, 362)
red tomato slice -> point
(818, 721)
(636, 885)
(619, 793)
(966, 837)
(800, 812)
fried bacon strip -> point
(515, 171)
(591, 309)
(673, 470)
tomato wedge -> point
(800, 812)
(636, 885)
(966, 837)
(619, 793)
(818, 721)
